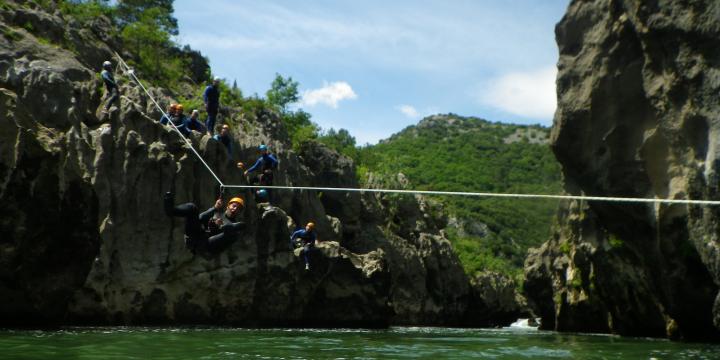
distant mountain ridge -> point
(454, 153)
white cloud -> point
(527, 94)
(428, 37)
(330, 94)
(409, 111)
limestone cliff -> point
(638, 116)
(84, 239)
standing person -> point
(212, 229)
(110, 86)
(225, 138)
(193, 122)
(305, 238)
(211, 96)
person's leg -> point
(266, 179)
(114, 97)
(210, 123)
(194, 232)
(188, 210)
(221, 241)
(306, 255)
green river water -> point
(393, 343)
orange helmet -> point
(238, 200)
(173, 107)
(179, 108)
(311, 225)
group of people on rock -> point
(215, 228)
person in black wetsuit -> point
(111, 86)
(212, 229)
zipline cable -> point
(485, 194)
(130, 71)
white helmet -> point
(217, 78)
(107, 64)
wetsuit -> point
(266, 162)
(181, 122)
(111, 87)
(227, 141)
(201, 232)
(165, 119)
(194, 124)
(212, 105)
(307, 240)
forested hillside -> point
(453, 153)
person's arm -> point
(206, 215)
(295, 234)
(255, 166)
(273, 160)
(205, 96)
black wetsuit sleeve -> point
(206, 215)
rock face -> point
(638, 116)
(85, 241)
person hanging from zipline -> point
(213, 229)
(306, 239)
(110, 85)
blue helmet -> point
(262, 193)
(262, 147)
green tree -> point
(150, 43)
(133, 11)
(341, 141)
(283, 91)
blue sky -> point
(375, 67)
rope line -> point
(485, 194)
(130, 71)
